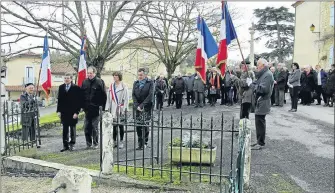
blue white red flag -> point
(45, 76)
(82, 70)
(206, 48)
(227, 34)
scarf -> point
(213, 80)
(142, 83)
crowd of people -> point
(305, 84)
(254, 88)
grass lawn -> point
(46, 120)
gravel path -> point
(44, 185)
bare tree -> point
(172, 29)
(103, 21)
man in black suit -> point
(68, 107)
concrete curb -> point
(27, 165)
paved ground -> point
(299, 153)
(299, 156)
(47, 110)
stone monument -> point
(75, 180)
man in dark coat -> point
(321, 79)
(29, 110)
(262, 88)
(307, 86)
(143, 89)
(68, 108)
(199, 89)
(280, 84)
(179, 86)
(172, 96)
(94, 96)
(160, 91)
(330, 87)
(189, 85)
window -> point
(29, 75)
(332, 15)
(331, 55)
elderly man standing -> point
(29, 112)
(199, 89)
(189, 87)
(263, 89)
(94, 94)
(160, 91)
(280, 85)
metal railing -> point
(179, 149)
(21, 126)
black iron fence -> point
(177, 148)
(20, 125)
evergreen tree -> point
(277, 25)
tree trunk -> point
(170, 70)
(280, 57)
(98, 63)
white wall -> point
(306, 49)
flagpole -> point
(39, 73)
(239, 46)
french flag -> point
(82, 70)
(45, 75)
(227, 34)
(206, 48)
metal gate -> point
(21, 126)
(178, 148)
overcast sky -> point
(246, 11)
(247, 17)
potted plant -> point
(190, 150)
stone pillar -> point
(75, 180)
(244, 129)
(252, 54)
(107, 143)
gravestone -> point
(76, 181)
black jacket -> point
(307, 82)
(69, 103)
(179, 85)
(281, 79)
(330, 83)
(160, 86)
(94, 96)
(143, 97)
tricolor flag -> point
(45, 75)
(206, 48)
(82, 70)
(227, 34)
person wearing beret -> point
(28, 113)
(68, 108)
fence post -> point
(107, 143)
(245, 135)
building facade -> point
(314, 47)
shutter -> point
(332, 15)
(331, 55)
